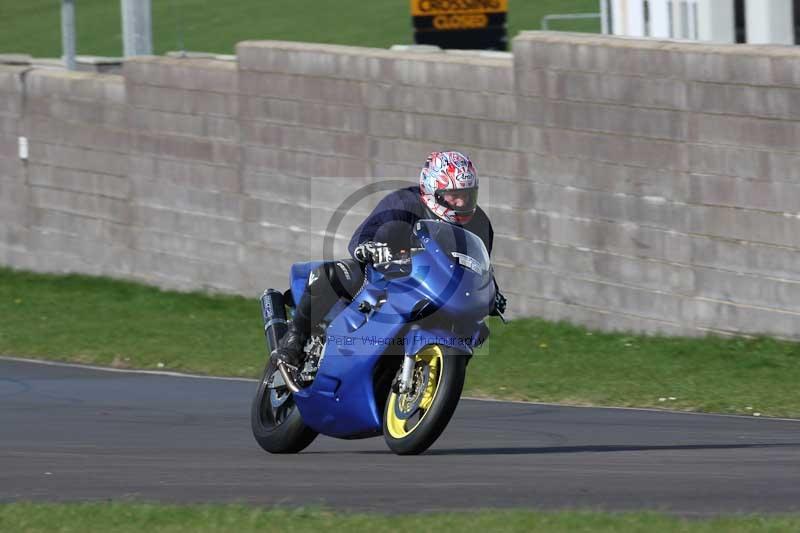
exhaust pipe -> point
(288, 378)
(273, 312)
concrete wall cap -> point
(488, 54)
(415, 48)
(372, 52)
(202, 62)
(99, 60)
(15, 59)
(183, 54)
(616, 41)
(76, 75)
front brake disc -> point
(409, 408)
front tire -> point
(413, 421)
(275, 419)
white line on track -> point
(122, 370)
(251, 380)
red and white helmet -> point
(448, 185)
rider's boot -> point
(290, 347)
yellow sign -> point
(422, 8)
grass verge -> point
(121, 518)
(33, 26)
(127, 325)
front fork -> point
(407, 374)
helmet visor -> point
(462, 201)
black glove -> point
(499, 303)
(372, 252)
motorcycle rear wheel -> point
(275, 419)
(413, 421)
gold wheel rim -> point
(398, 427)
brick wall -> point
(321, 122)
(636, 185)
(77, 209)
(13, 182)
(664, 179)
(186, 197)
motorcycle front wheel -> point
(276, 421)
(413, 421)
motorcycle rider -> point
(448, 191)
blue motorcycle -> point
(393, 360)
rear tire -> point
(413, 436)
(275, 419)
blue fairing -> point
(341, 401)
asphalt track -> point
(70, 433)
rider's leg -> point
(326, 284)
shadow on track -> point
(603, 449)
(575, 449)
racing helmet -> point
(448, 186)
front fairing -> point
(459, 286)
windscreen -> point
(461, 245)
